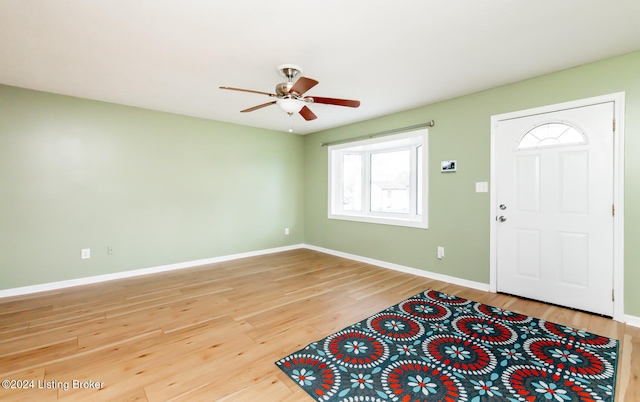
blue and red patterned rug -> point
(439, 347)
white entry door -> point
(554, 190)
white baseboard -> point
(632, 320)
(190, 264)
(414, 271)
(628, 319)
(137, 272)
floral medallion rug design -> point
(439, 347)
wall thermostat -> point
(448, 166)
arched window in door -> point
(550, 135)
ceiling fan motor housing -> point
(290, 71)
(283, 88)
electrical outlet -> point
(440, 252)
(109, 250)
(85, 253)
(286, 231)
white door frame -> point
(618, 190)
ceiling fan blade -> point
(251, 109)
(248, 90)
(303, 85)
(307, 114)
(335, 101)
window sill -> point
(381, 220)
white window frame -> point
(415, 140)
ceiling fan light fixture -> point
(289, 105)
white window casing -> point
(398, 197)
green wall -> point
(161, 188)
(458, 216)
(156, 187)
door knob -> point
(503, 207)
(501, 219)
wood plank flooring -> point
(214, 332)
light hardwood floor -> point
(214, 332)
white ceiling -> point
(172, 55)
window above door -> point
(550, 135)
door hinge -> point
(614, 125)
(613, 295)
(613, 210)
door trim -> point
(618, 189)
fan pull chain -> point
(291, 127)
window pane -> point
(551, 134)
(390, 181)
(352, 182)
